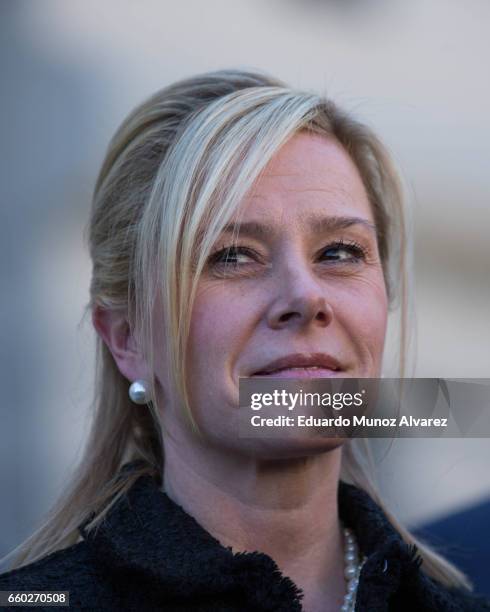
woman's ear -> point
(113, 327)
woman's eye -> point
(341, 252)
(231, 256)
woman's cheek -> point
(362, 310)
(215, 326)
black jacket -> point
(150, 555)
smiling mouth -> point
(301, 372)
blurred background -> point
(417, 72)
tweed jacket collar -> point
(149, 539)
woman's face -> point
(304, 284)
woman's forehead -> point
(309, 155)
(310, 176)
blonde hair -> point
(174, 174)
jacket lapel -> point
(149, 541)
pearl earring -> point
(138, 392)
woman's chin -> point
(293, 448)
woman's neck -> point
(285, 508)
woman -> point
(239, 228)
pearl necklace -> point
(352, 569)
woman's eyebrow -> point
(316, 224)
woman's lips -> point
(309, 372)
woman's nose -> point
(301, 302)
